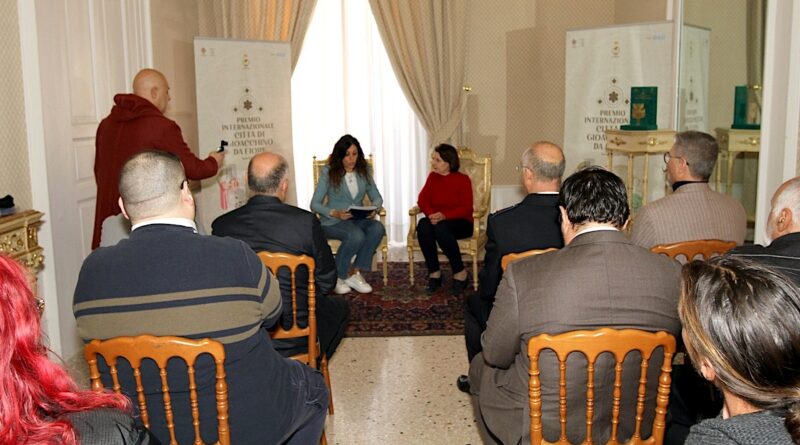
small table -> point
(732, 142)
(633, 143)
(19, 239)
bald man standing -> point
(136, 123)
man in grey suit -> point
(599, 279)
(693, 211)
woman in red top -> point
(446, 201)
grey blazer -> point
(692, 212)
(599, 280)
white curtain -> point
(344, 83)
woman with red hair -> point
(39, 402)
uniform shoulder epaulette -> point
(501, 211)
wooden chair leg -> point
(323, 440)
(385, 266)
(327, 376)
(475, 271)
(411, 266)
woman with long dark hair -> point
(741, 327)
(40, 403)
(446, 201)
(343, 183)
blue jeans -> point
(360, 238)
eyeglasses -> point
(519, 168)
(668, 156)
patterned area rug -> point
(402, 309)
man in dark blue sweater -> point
(168, 280)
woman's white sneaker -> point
(341, 287)
(358, 284)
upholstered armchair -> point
(479, 170)
(318, 165)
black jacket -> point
(531, 224)
(783, 255)
(266, 223)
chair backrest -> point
(160, 350)
(508, 258)
(274, 261)
(690, 249)
(593, 343)
(319, 164)
(479, 170)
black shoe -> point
(433, 285)
(458, 287)
(462, 383)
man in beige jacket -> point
(693, 211)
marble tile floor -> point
(400, 390)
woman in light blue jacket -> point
(342, 184)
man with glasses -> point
(531, 224)
(693, 211)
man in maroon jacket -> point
(136, 123)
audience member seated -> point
(783, 233)
(693, 211)
(342, 184)
(599, 279)
(265, 222)
(531, 224)
(446, 201)
(740, 322)
(168, 280)
(41, 404)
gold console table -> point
(19, 239)
(732, 143)
(634, 143)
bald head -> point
(784, 216)
(543, 166)
(151, 185)
(150, 84)
(266, 175)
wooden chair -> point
(689, 249)
(592, 344)
(318, 165)
(274, 261)
(511, 257)
(160, 350)
(479, 170)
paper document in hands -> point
(361, 212)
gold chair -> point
(275, 261)
(593, 343)
(318, 165)
(160, 350)
(689, 249)
(479, 170)
(511, 257)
